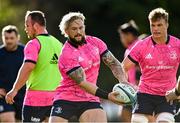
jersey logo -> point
(54, 59)
(80, 59)
(173, 55)
(148, 56)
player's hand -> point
(170, 96)
(113, 97)
(2, 93)
(10, 96)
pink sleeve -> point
(68, 64)
(100, 44)
(31, 50)
(135, 52)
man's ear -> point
(66, 31)
(35, 26)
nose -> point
(78, 31)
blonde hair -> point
(69, 18)
(158, 13)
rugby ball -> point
(127, 94)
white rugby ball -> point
(127, 94)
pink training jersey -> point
(86, 56)
(35, 98)
(158, 63)
(131, 72)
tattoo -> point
(78, 75)
(115, 66)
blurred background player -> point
(78, 94)
(39, 70)
(129, 33)
(11, 59)
(158, 57)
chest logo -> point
(148, 56)
(173, 55)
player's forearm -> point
(89, 87)
(118, 71)
(94, 90)
(22, 77)
(115, 66)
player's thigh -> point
(142, 118)
(93, 115)
(53, 119)
(7, 117)
(165, 117)
(7, 112)
(126, 113)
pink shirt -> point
(31, 50)
(131, 72)
(86, 56)
(158, 63)
(35, 98)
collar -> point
(167, 41)
(43, 34)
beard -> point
(74, 41)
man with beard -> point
(11, 59)
(39, 70)
(79, 65)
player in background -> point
(79, 64)
(39, 70)
(158, 57)
(11, 59)
(129, 33)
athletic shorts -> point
(152, 104)
(35, 113)
(69, 109)
(16, 107)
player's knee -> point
(139, 118)
(165, 117)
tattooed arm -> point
(79, 76)
(115, 66)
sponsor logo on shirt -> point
(54, 59)
(159, 67)
(148, 56)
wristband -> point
(101, 93)
(177, 93)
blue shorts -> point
(152, 104)
(16, 107)
(69, 109)
(35, 113)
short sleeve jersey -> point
(86, 56)
(131, 72)
(159, 64)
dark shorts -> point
(149, 104)
(16, 107)
(69, 109)
(35, 113)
